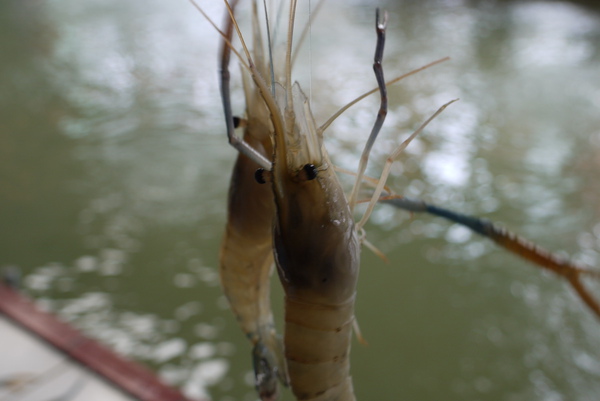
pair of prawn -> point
(302, 217)
(316, 353)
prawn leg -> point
(511, 242)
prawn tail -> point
(246, 287)
(317, 348)
(269, 366)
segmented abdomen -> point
(317, 347)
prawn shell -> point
(246, 256)
(316, 247)
(321, 333)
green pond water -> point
(114, 169)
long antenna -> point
(378, 69)
(388, 165)
(323, 127)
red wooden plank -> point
(130, 376)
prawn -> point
(317, 249)
(246, 256)
(316, 241)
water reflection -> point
(114, 171)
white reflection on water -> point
(202, 350)
(169, 349)
(451, 164)
(188, 310)
(203, 375)
(560, 31)
(458, 234)
(206, 331)
(42, 279)
(143, 336)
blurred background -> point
(114, 170)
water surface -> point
(114, 169)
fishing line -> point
(310, 51)
(270, 46)
(278, 17)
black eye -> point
(259, 176)
(311, 171)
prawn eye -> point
(259, 176)
(239, 122)
(310, 171)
